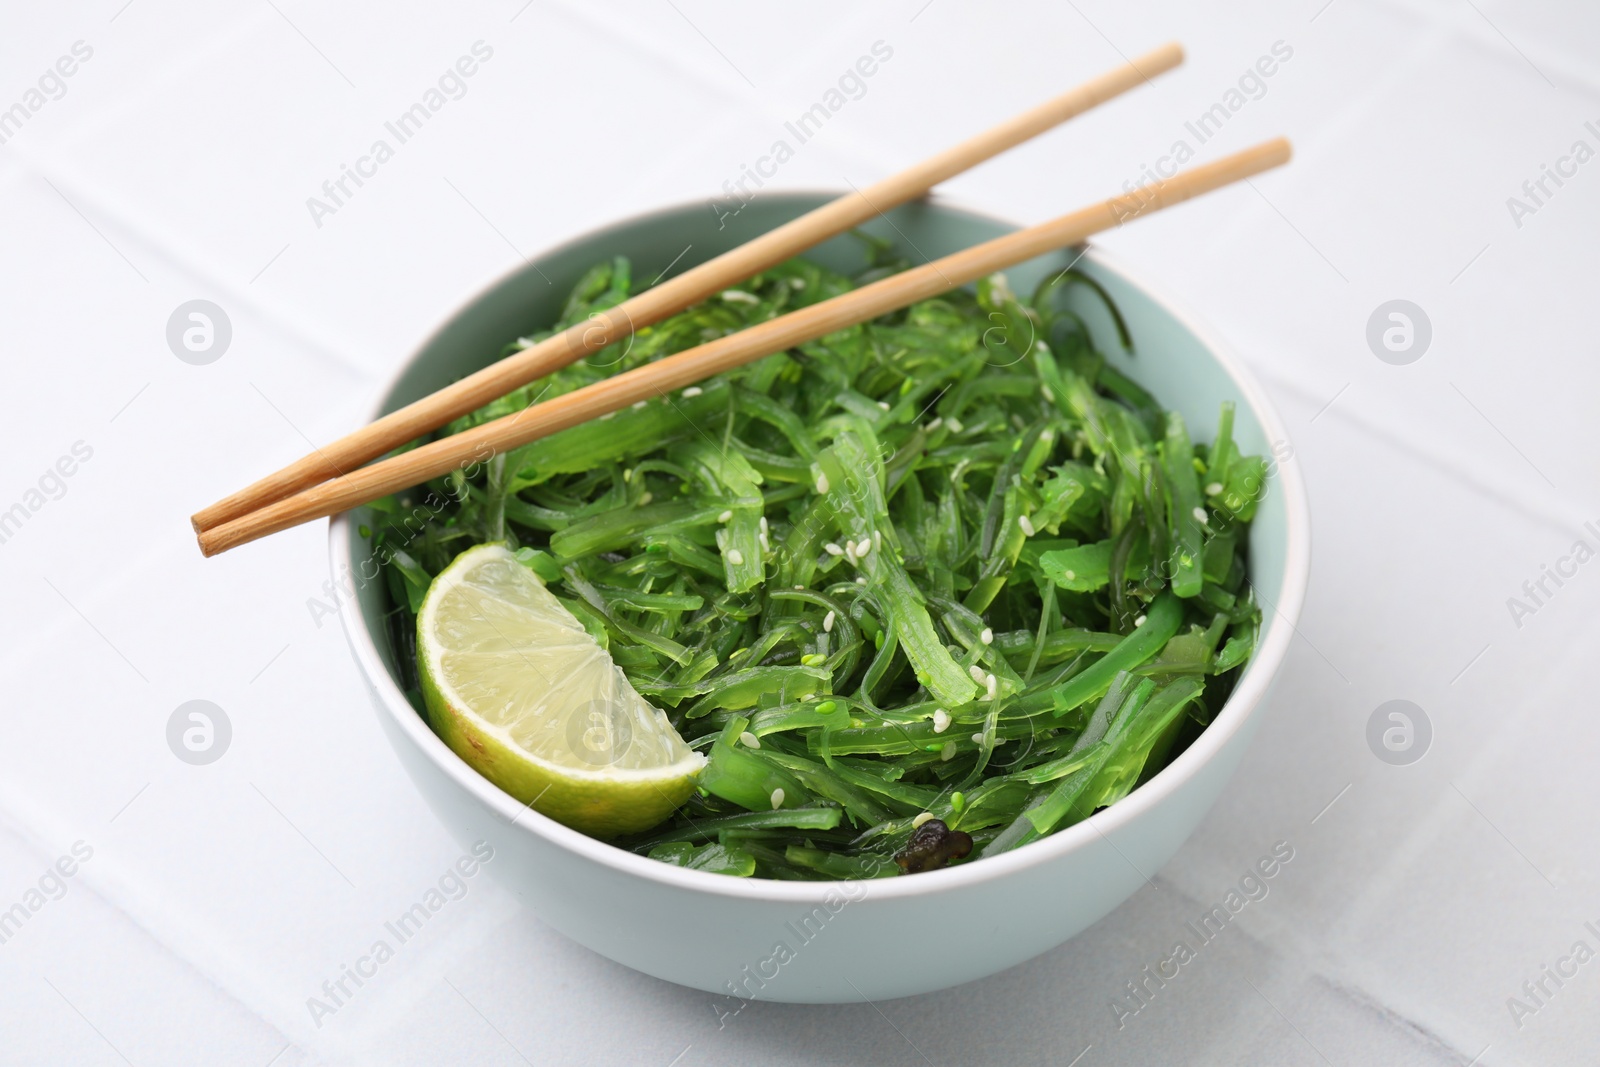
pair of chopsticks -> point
(332, 479)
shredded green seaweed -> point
(949, 563)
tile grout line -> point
(1536, 506)
(1463, 24)
(185, 260)
(113, 894)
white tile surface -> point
(177, 163)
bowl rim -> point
(1243, 703)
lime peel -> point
(524, 694)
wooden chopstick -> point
(696, 364)
(675, 294)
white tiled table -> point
(176, 164)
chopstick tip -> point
(207, 540)
(1159, 59)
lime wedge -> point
(520, 690)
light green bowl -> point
(826, 941)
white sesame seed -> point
(749, 740)
(645, 498)
(1069, 575)
(934, 425)
(877, 538)
(692, 391)
(627, 475)
(640, 404)
(976, 672)
(735, 557)
(1047, 436)
(941, 720)
(884, 404)
(863, 547)
(797, 283)
(827, 623)
(987, 637)
(977, 739)
(948, 752)
(777, 798)
(954, 424)
(832, 549)
(850, 551)
(822, 483)
(991, 687)
(1213, 489)
(1139, 621)
(739, 296)
(1200, 515)
(726, 516)
(922, 817)
(608, 415)
(1027, 525)
(861, 581)
(1049, 394)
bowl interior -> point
(1172, 356)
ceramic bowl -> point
(834, 942)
